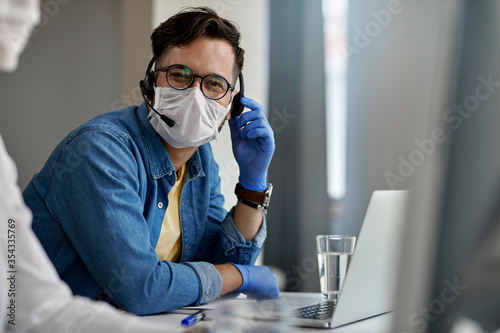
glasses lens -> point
(180, 77)
(214, 86)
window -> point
(335, 28)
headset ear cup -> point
(237, 108)
(150, 84)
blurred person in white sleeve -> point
(32, 296)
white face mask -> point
(17, 19)
(196, 117)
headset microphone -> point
(166, 119)
(148, 89)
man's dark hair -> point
(190, 24)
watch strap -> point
(257, 200)
(252, 196)
(253, 205)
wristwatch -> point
(254, 199)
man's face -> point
(204, 56)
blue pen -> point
(193, 319)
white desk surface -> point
(379, 324)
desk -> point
(379, 324)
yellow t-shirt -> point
(169, 246)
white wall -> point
(252, 19)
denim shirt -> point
(98, 206)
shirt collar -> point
(159, 161)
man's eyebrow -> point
(209, 73)
(221, 75)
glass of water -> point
(334, 254)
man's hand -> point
(258, 281)
(253, 145)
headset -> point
(148, 89)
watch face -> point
(269, 191)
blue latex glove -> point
(253, 145)
(258, 281)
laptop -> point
(370, 283)
(369, 287)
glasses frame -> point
(166, 69)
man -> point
(129, 207)
(32, 296)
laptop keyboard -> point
(323, 310)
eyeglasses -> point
(181, 77)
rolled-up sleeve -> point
(209, 280)
(232, 239)
(231, 246)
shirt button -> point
(169, 173)
(160, 205)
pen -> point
(193, 319)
